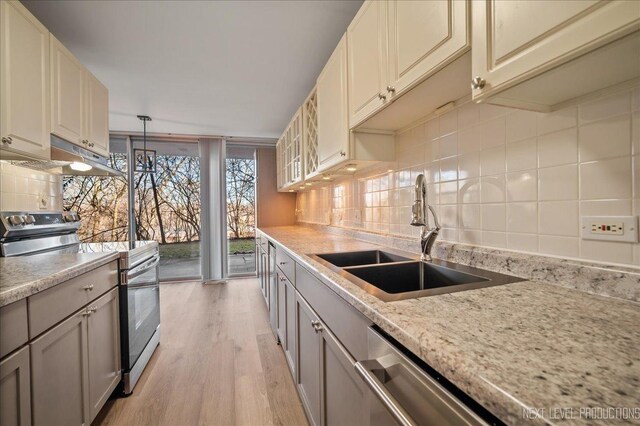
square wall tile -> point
(558, 183)
(449, 216)
(431, 129)
(559, 218)
(470, 236)
(522, 155)
(493, 133)
(469, 140)
(447, 146)
(607, 251)
(605, 139)
(469, 165)
(449, 192)
(448, 122)
(558, 148)
(522, 186)
(492, 161)
(617, 104)
(494, 239)
(493, 189)
(558, 120)
(606, 208)
(470, 216)
(494, 217)
(522, 217)
(522, 242)
(449, 169)
(559, 246)
(468, 115)
(635, 133)
(488, 111)
(521, 125)
(606, 179)
(469, 191)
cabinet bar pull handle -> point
(391, 89)
(88, 287)
(382, 97)
(8, 140)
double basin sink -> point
(391, 275)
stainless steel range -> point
(31, 233)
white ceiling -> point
(232, 68)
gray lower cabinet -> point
(76, 365)
(104, 350)
(15, 394)
(281, 281)
(331, 391)
(308, 357)
(60, 374)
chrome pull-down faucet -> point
(420, 209)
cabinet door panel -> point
(97, 115)
(15, 391)
(344, 392)
(67, 94)
(333, 125)
(282, 308)
(366, 43)
(59, 360)
(515, 41)
(308, 356)
(104, 350)
(24, 82)
(424, 36)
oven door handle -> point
(139, 270)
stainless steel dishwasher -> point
(400, 392)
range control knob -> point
(15, 220)
(29, 219)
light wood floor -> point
(217, 364)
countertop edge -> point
(16, 294)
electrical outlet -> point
(357, 215)
(43, 201)
(610, 228)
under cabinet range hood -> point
(70, 159)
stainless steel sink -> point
(391, 276)
(355, 258)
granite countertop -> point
(24, 276)
(526, 345)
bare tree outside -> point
(168, 207)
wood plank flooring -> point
(217, 364)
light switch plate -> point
(610, 228)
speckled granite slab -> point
(23, 276)
(512, 348)
(606, 280)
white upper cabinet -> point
(395, 45)
(67, 95)
(79, 102)
(423, 35)
(366, 38)
(97, 115)
(333, 114)
(24, 83)
(543, 55)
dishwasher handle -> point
(365, 370)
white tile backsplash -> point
(23, 189)
(501, 177)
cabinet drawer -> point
(55, 304)
(344, 321)
(286, 264)
(14, 331)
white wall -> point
(21, 189)
(503, 177)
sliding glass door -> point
(240, 173)
(168, 207)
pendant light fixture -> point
(145, 159)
